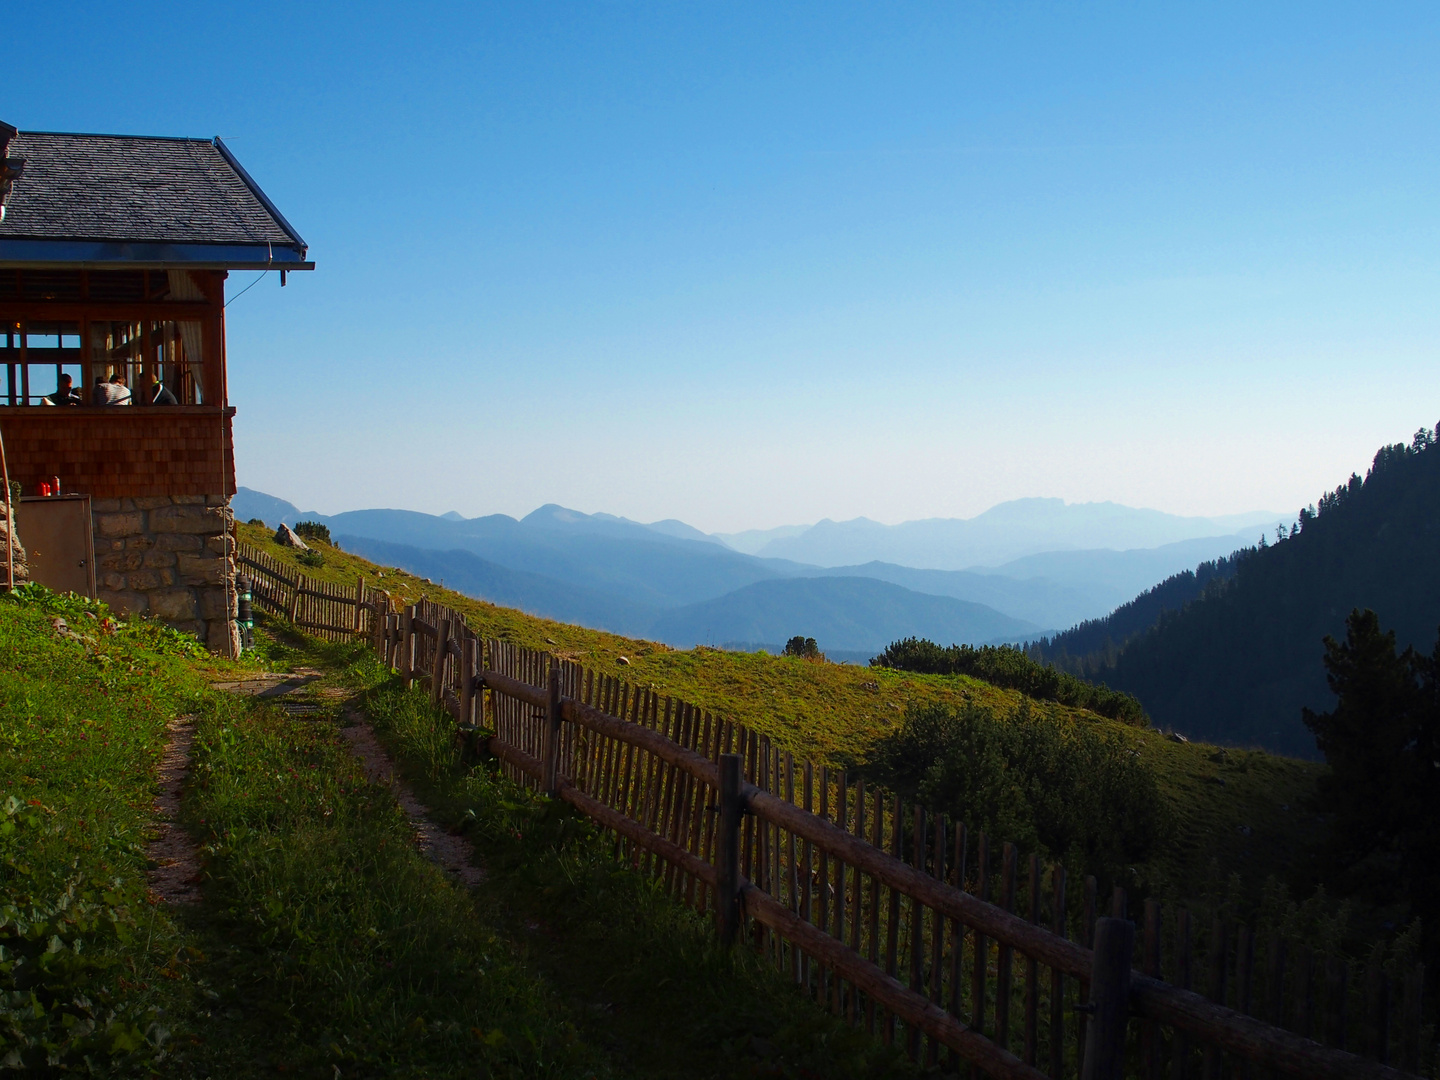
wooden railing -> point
(327, 610)
(926, 934)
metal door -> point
(55, 532)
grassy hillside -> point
(1240, 812)
(322, 942)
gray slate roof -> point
(134, 189)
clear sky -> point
(748, 266)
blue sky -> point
(749, 266)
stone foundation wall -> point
(170, 557)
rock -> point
(285, 536)
(187, 518)
(1244, 830)
(1175, 736)
(873, 687)
(550, 641)
(1220, 757)
(172, 605)
(623, 662)
(120, 524)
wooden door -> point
(57, 537)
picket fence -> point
(967, 955)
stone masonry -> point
(169, 557)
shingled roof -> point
(137, 199)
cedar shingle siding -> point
(118, 452)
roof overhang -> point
(117, 255)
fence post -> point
(359, 604)
(437, 664)
(552, 732)
(1109, 1000)
(467, 681)
(727, 851)
(407, 645)
(295, 597)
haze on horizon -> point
(746, 267)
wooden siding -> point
(111, 453)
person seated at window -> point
(64, 393)
(160, 394)
(114, 392)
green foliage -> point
(1093, 645)
(312, 530)
(310, 558)
(338, 945)
(1010, 667)
(803, 647)
(1080, 796)
(83, 705)
(642, 974)
(1240, 660)
(1382, 742)
(256, 521)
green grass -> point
(324, 944)
(333, 944)
(644, 976)
(833, 713)
(89, 971)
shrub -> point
(1064, 789)
(313, 530)
(256, 521)
(803, 647)
(1011, 668)
(310, 558)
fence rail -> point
(927, 934)
(334, 612)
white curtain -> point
(183, 287)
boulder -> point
(286, 537)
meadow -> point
(1236, 817)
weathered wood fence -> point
(327, 610)
(928, 935)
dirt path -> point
(293, 693)
(175, 874)
(451, 853)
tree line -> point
(1010, 667)
(1239, 658)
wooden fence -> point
(928, 935)
(333, 612)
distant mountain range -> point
(669, 581)
(1001, 534)
(855, 612)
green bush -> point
(1058, 788)
(1009, 667)
(313, 530)
(803, 647)
(310, 558)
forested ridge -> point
(1240, 659)
(1094, 644)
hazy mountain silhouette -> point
(1001, 534)
(841, 613)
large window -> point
(157, 357)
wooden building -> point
(114, 257)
